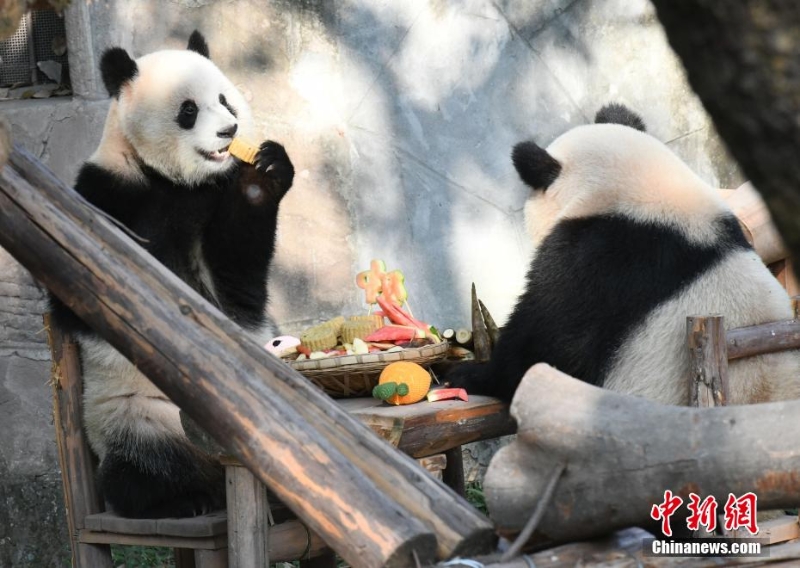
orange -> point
(416, 377)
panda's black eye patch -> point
(187, 115)
(224, 102)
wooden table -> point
(420, 430)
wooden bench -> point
(255, 530)
(430, 432)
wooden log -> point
(74, 456)
(319, 460)
(708, 380)
(623, 452)
(765, 338)
(756, 222)
(482, 345)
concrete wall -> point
(399, 117)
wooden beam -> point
(708, 381)
(622, 452)
(764, 338)
(326, 466)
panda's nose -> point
(229, 132)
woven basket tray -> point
(356, 375)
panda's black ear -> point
(198, 43)
(615, 113)
(117, 68)
(534, 165)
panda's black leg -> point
(474, 377)
(160, 478)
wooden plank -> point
(288, 541)
(297, 440)
(781, 529)
(74, 456)
(708, 379)
(435, 427)
(765, 338)
(208, 543)
(210, 524)
(116, 524)
(248, 523)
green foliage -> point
(476, 497)
(142, 556)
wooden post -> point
(74, 456)
(453, 474)
(365, 499)
(708, 381)
(248, 518)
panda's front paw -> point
(273, 162)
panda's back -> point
(595, 280)
(740, 288)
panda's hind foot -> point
(187, 505)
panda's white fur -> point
(605, 196)
(633, 176)
(166, 174)
(653, 363)
(147, 108)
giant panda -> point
(628, 242)
(162, 170)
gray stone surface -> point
(399, 117)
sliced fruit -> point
(393, 287)
(392, 333)
(371, 281)
(398, 316)
(447, 394)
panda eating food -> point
(163, 171)
(628, 242)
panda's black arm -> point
(239, 242)
(109, 193)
